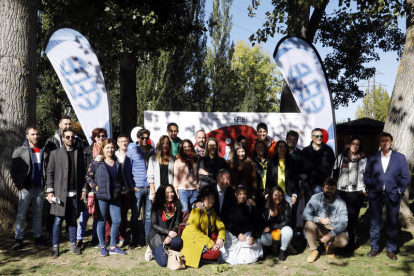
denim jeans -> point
(187, 198)
(310, 191)
(83, 222)
(36, 197)
(70, 217)
(114, 207)
(138, 199)
(161, 256)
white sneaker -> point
(148, 254)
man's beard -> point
(328, 196)
(201, 144)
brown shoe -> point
(313, 256)
(330, 252)
(373, 253)
(392, 255)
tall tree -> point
(258, 81)
(354, 29)
(374, 105)
(400, 117)
(219, 55)
(17, 89)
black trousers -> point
(353, 202)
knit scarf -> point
(349, 177)
(168, 212)
(96, 149)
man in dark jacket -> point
(27, 175)
(66, 188)
(319, 162)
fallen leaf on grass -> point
(353, 259)
(285, 267)
(324, 268)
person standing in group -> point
(326, 219)
(186, 175)
(283, 171)
(147, 150)
(262, 136)
(386, 178)
(106, 179)
(319, 160)
(261, 165)
(292, 138)
(161, 166)
(122, 142)
(90, 153)
(140, 194)
(243, 171)
(172, 129)
(210, 164)
(201, 143)
(27, 172)
(351, 166)
(277, 216)
(66, 188)
(205, 234)
(166, 215)
(52, 143)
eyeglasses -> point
(318, 136)
(144, 138)
(69, 137)
(101, 136)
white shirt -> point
(221, 196)
(385, 160)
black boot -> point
(17, 245)
(55, 252)
(282, 255)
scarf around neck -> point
(349, 177)
(168, 212)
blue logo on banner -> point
(310, 95)
(82, 85)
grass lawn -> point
(37, 261)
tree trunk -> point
(17, 88)
(400, 117)
(128, 110)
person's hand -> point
(250, 241)
(49, 196)
(220, 243)
(249, 202)
(324, 221)
(98, 158)
(22, 189)
(172, 234)
(266, 230)
(152, 197)
(136, 189)
(202, 172)
(364, 192)
(241, 237)
(215, 247)
(83, 196)
(167, 240)
(293, 200)
(96, 188)
(326, 238)
(199, 205)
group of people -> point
(196, 202)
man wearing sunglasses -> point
(139, 155)
(319, 161)
(66, 188)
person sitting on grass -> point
(106, 179)
(326, 219)
(205, 235)
(166, 215)
(242, 231)
(277, 217)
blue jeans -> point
(187, 198)
(140, 197)
(70, 217)
(159, 253)
(83, 221)
(114, 207)
(36, 197)
(310, 191)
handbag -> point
(91, 203)
(176, 260)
